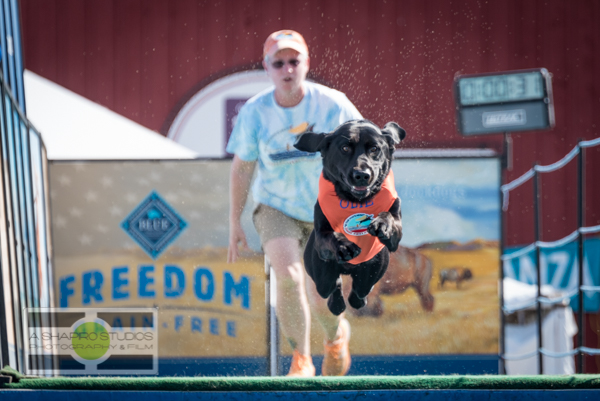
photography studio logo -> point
(153, 225)
(86, 341)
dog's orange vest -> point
(352, 219)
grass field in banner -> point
(463, 321)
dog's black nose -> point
(361, 178)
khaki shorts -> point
(271, 223)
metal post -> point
(13, 225)
(272, 326)
(268, 313)
(580, 255)
(503, 171)
(5, 314)
(508, 151)
(537, 224)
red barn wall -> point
(396, 60)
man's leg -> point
(321, 312)
(336, 360)
(293, 310)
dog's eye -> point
(345, 148)
(374, 149)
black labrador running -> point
(357, 219)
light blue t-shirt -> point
(287, 179)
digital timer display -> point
(501, 88)
(504, 101)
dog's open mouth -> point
(359, 190)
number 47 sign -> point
(560, 270)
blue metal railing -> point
(577, 235)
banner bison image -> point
(407, 268)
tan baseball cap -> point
(286, 39)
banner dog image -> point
(357, 219)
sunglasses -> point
(280, 63)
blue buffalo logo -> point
(153, 225)
(357, 224)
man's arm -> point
(239, 185)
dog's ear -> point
(311, 142)
(394, 133)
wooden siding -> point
(395, 60)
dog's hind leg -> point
(373, 307)
(336, 302)
(364, 277)
(355, 301)
(360, 289)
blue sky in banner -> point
(442, 200)
(448, 199)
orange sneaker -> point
(302, 366)
(336, 361)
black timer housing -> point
(504, 102)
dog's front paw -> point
(382, 226)
(346, 251)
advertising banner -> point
(155, 234)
